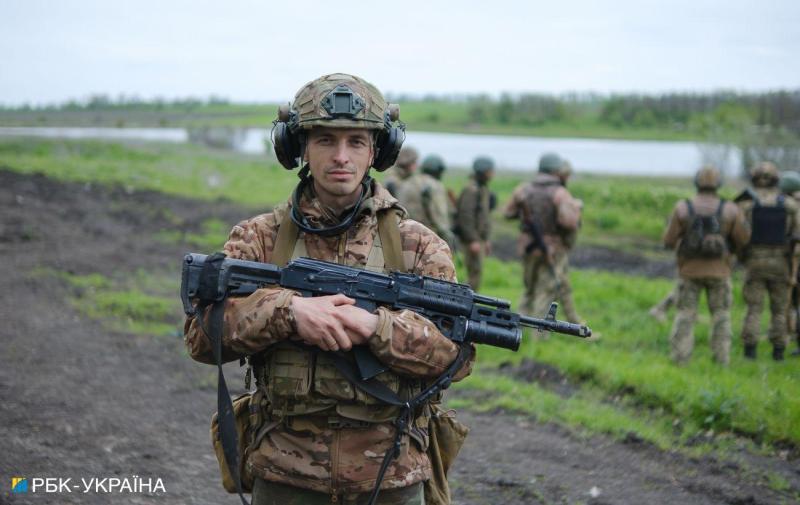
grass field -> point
(623, 383)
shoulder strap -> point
(720, 209)
(284, 242)
(690, 207)
(389, 232)
(780, 200)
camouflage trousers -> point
(474, 264)
(718, 292)
(274, 493)
(545, 284)
(778, 290)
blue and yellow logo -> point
(19, 485)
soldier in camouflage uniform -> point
(404, 167)
(768, 257)
(547, 212)
(790, 186)
(704, 263)
(425, 199)
(321, 440)
(472, 218)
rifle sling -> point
(225, 416)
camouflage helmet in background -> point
(566, 169)
(339, 101)
(790, 182)
(764, 174)
(482, 165)
(708, 177)
(407, 157)
(550, 163)
(433, 165)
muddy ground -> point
(81, 401)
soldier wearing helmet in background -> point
(790, 186)
(473, 225)
(549, 219)
(404, 167)
(311, 435)
(768, 257)
(702, 230)
(425, 199)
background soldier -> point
(790, 186)
(317, 439)
(768, 257)
(472, 216)
(404, 167)
(549, 217)
(701, 229)
(425, 199)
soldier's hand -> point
(475, 247)
(319, 323)
(359, 324)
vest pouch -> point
(241, 412)
(446, 435)
(288, 373)
(329, 383)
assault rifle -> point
(460, 314)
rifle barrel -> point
(578, 330)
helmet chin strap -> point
(300, 219)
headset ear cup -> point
(388, 146)
(286, 145)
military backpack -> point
(703, 238)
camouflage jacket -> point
(302, 448)
(554, 209)
(732, 226)
(472, 213)
(426, 201)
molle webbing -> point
(769, 223)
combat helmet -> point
(433, 165)
(764, 174)
(482, 165)
(407, 157)
(338, 101)
(565, 170)
(790, 182)
(550, 163)
(708, 177)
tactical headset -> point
(289, 139)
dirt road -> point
(81, 401)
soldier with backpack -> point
(768, 257)
(705, 231)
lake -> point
(623, 157)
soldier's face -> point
(338, 158)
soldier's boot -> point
(777, 353)
(750, 351)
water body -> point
(623, 157)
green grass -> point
(627, 383)
(760, 400)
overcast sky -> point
(264, 51)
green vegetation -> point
(624, 382)
(142, 304)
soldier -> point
(549, 218)
(768, 257)
(701, 229)
(790, 186)
(425, 199)
(472, 217)
(318, 439)
(404, 167)
(659, 310)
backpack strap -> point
(389, 232)
(720, 209)
(780, 200)
(284, 242)
(690, 207)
